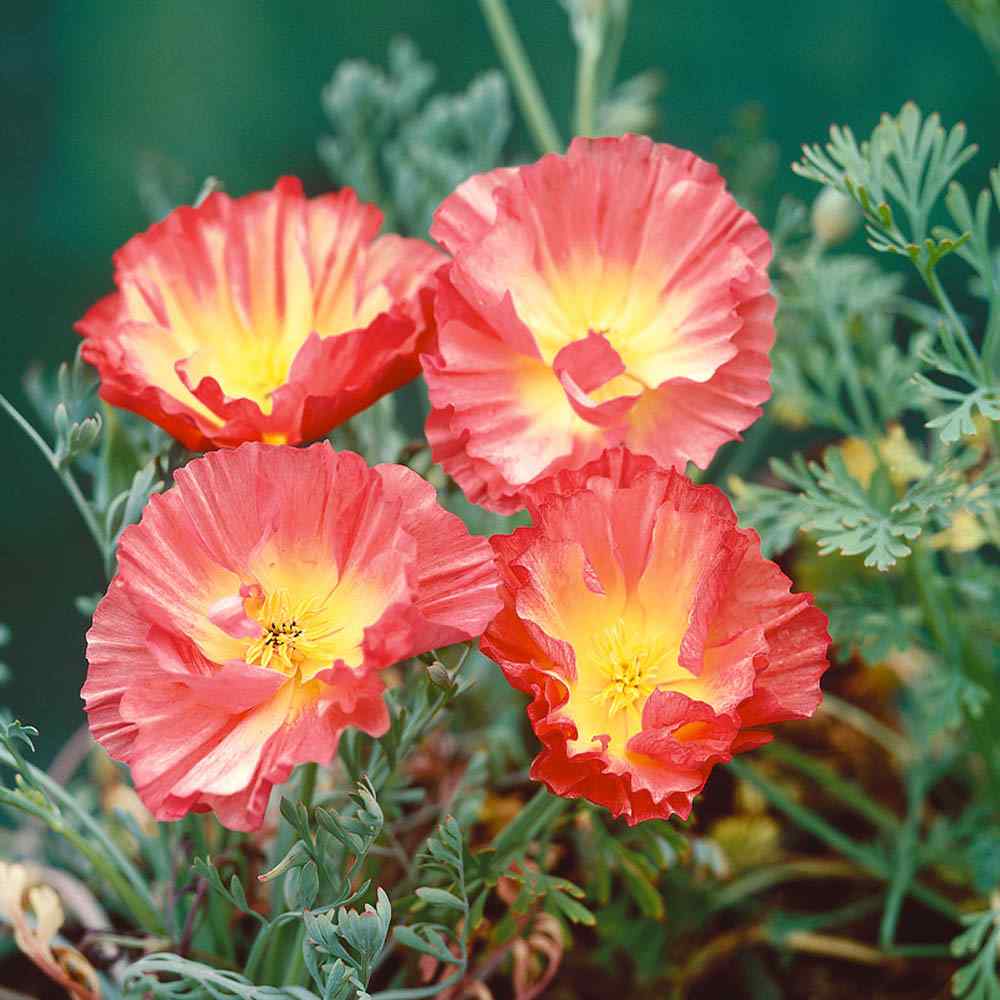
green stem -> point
(982, 364)
(586, 83)
(935, 901)
(848, 793)
(867, 724)
(855, 390)
(862, 854)
(307, 789)
(295, 973)
(921, 951)
(271, 973)
(991, 341)
(221, 934)
(903, 863)
(258, 950)
(419, 992)
(804, 869)
(938, 611)
(86, 511)
(847, 914)
(416, 993)
(379, 769)
(135, 893)
(289, 942)
(145, 915)
(256, 954)
(923, 571)
(307, 783)
(941, 297)
(522, 76)
(166, 875)
(611, 47)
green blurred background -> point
(90, 89)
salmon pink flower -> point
(617, 295)
(266, 318)
(253, 608)
(652, 635)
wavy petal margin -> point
(651, 635)
(255, 605)
(617, 295)
(271, 317)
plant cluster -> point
(309, 617)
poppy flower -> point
(271, 317)
(653, 637)
(254, 606)
(617, 295)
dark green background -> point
(231, 87)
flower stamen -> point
(630, 671)
(292, 633)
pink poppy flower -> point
(617, 295)
(271, 317)
(653, 637)
(254, 606)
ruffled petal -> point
(650, 633)
(467, 214)
(486, 394)
(225, 325)
(254, 604)
(626, 273)
(457, 583)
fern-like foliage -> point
(443, 861)
(830, 503)
(190, 980)
(983, 16)
(901, 170)
(898, 177)
(979, 944)
(400, 151)
(871, 617)
(343, 946)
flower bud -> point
(439, 675)
(834, 216)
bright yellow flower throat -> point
(297, 637)
(617, 671)
(629, 672)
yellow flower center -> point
(629, 672)
(617, 671)
(297, 637)
(252, 357)
(258, 369)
